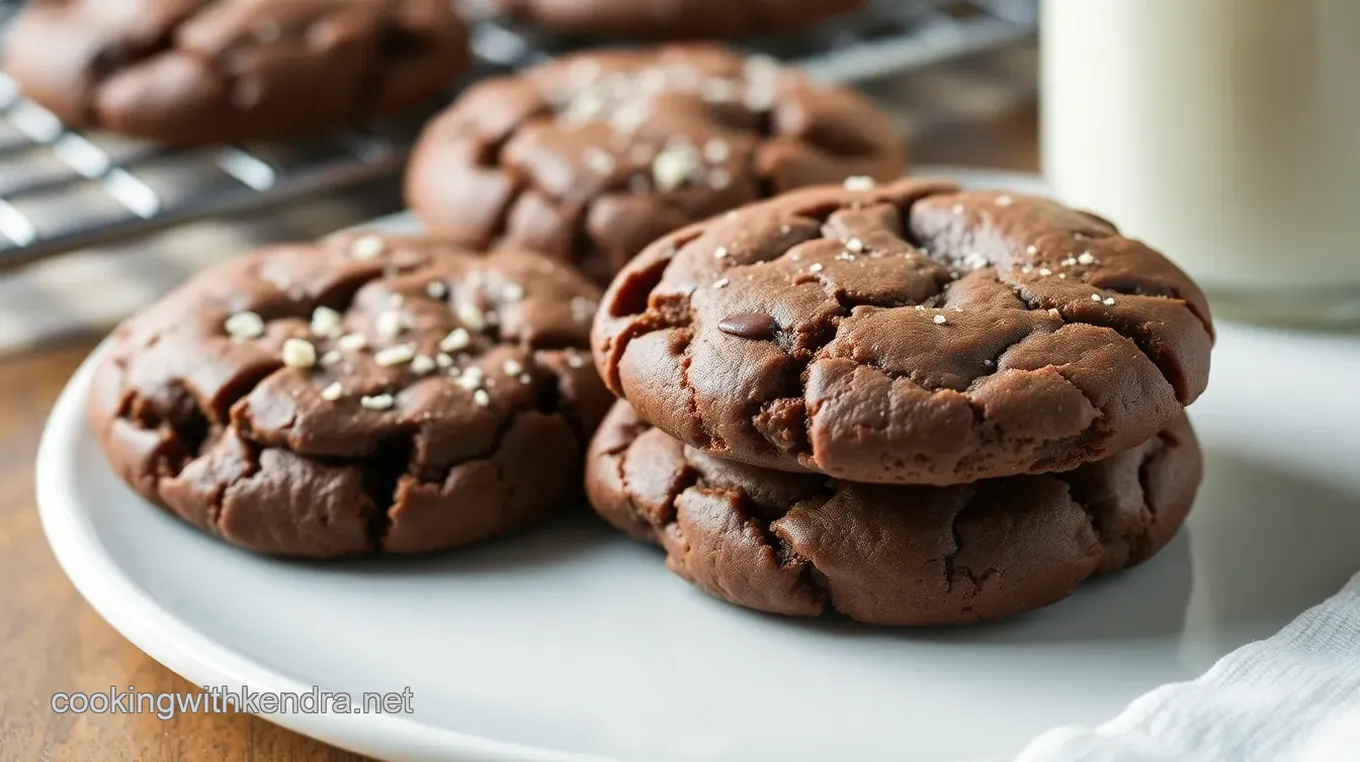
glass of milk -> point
(1225, 133)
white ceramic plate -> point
(571, 642)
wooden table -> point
(52, 641)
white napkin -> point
(1294, 697)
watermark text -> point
(224, 700)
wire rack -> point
(62, 189)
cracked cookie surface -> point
(806, 545)
(360, 394)
(593, 156)
(203, 71)
(910, 333)
(676, 19)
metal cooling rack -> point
(61, 189)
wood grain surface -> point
(52, 641)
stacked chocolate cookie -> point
(905, 403)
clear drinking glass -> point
(1225, 133)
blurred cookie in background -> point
(204, 71)
(591, 157)
(674, 19)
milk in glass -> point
(1225, 133)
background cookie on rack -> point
(206, 71)
(591, 157)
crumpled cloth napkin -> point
(1294, 697)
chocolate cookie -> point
(909, 333)
(592, 157)
(805, 545)
(204, 71)
(356, 395)
(676, 19)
